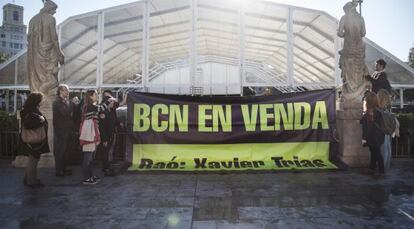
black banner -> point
(172, 119)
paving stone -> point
(332, 199)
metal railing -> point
(8, 144)
(403, 147)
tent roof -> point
(113, 38)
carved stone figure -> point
(43, 52)
(352, 59)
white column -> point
(290, 47)
(193, 42)
(401, 98)
(145, 45)
(241, 45)
(7, 100)
(16, 67)
(100, 38)
(211, 78)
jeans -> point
(386, 151)
(376, 157)
(87, 164)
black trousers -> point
(104, 153)
(60, 145)
(376, 157)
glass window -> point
(122, 45)
(3, 44)
(7, 74)
(15, 15)
(22, 70)
(79, 44)
(3, 35)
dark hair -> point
(60, 88)
(107, 91)
(32, 102)
(88, 101)
(371, 100)
(381, 62)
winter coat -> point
(31, 120)
(379, 81)
(371, 131)
(107, 124)
(62, 114)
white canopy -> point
(203, 46)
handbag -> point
(33, 136)
(387, 123)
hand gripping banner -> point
(211, 133)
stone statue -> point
(43, 52)
(352, 56)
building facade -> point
(13, 33)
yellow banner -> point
(240, 156)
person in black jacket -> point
(62, 128)
(107, 124)
(372, 136)
(379, 78)
(31, 119)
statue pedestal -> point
(351, 151)
(47, 160)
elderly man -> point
(62, 128)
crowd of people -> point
(96, 123)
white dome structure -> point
(203, 47)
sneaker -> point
(96, 178)
(109, 172)
(59, 173)
(67, 172)
(89, 181)
(38, 185)
(63, 172)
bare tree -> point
(411, 57)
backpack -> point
(387, 122)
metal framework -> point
(212, 46)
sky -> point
(389, 23)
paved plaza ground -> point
(333, 199)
